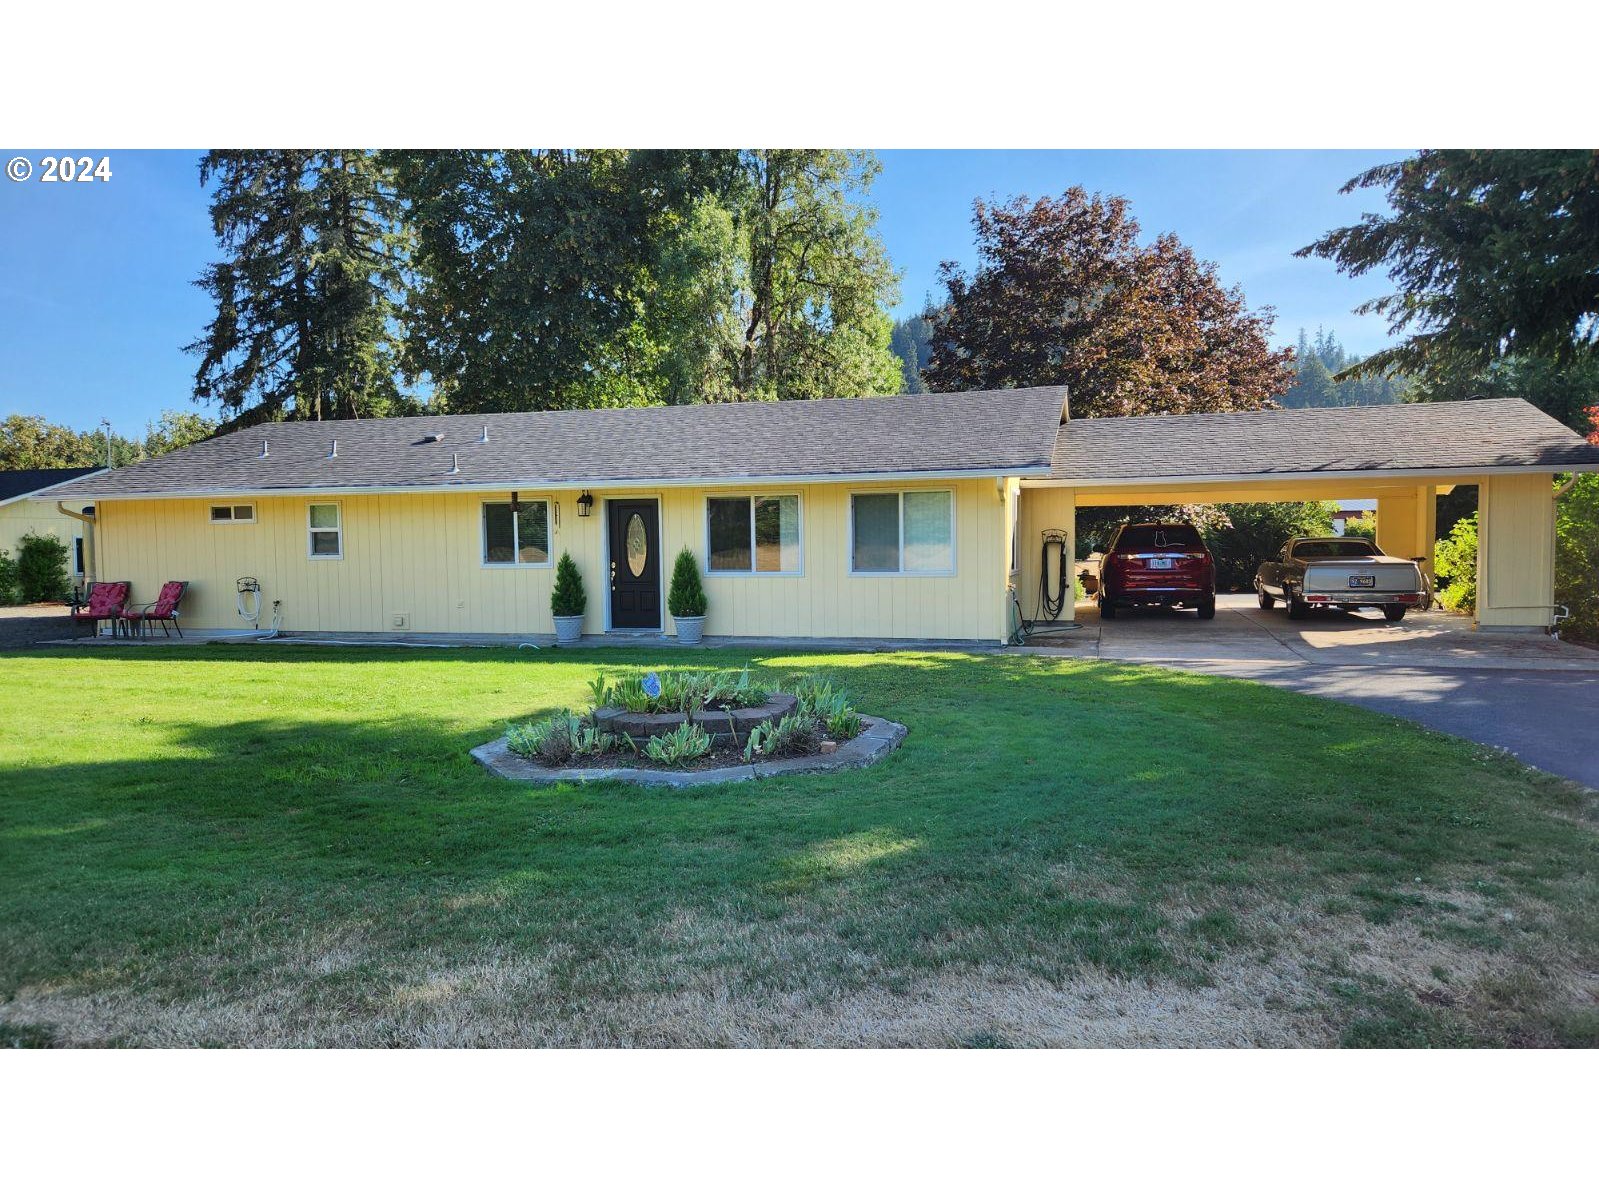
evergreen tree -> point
(1327, 376)
(1495, 254)
(305, 293)
(912, 343)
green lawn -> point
(271, 845)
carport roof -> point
(1462, 437)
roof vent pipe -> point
(265, 452)
(455, 464)
(485, 438)
(334, 452)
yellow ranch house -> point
(891, 519)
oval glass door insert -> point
(638, 546)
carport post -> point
(1407, 522)
(1516, 552)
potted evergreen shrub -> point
(567, 602)
(686, 600)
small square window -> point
(516, 536)
(325, 534)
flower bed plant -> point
(804, 722)
(679, 691)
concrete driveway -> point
(1532, 695)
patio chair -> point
(163, 610)
(106, 602)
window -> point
(228, 514)
(907, 532)
(77, 556)
(325, 538)
(757, 534)
(516, 535)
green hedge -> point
(42, 569)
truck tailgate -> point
(1362, 574)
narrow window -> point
(516, 535)
(232, 514)
(757, 534)
(929, 533)
(326, 538)
(910, 532)
(77, 556)
(777, 548)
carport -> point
(1405, 455)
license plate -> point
(1363, 580)
(1162, 563)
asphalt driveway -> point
(1532, 695)
(34, 623)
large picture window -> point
(753, 534)
(902, 532)
(516, 536)
(324, 531)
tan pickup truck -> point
(1338, 572)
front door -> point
(635, 564)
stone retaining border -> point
(878, 738)
(726, 727)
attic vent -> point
(334, 452)
(431, 437)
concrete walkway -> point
(1532, 695)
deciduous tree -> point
(1065, 291)
(535, 272)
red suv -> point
(1164, 564)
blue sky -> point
(96, 280)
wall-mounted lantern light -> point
(585, 504)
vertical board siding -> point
(420, 555)
(1516, 551)
(38, 516)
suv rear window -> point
(1159, 537)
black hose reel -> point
(1052, 601)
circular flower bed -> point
(707, 724)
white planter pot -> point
(690, 629)
(568, 630)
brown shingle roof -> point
(988, 432)
(1461, 436)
